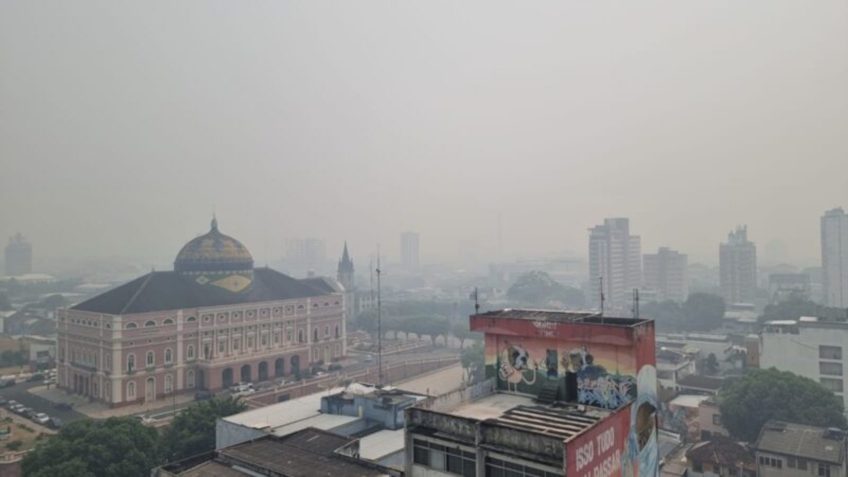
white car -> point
(41, 418)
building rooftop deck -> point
(556, 316)
(522, 412)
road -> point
(19, 393)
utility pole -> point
(635, 303)
(379, 325)
(601, 289)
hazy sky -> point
(123, 125)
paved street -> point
(19, 393)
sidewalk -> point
(98, 410)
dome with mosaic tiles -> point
(213, 252)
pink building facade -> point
(189, 330)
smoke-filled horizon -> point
(125, 125)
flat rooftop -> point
(557, 316)
(524, 413)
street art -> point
(528, 365)
(641, 452)
(514, 368)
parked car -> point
(203, 395)
(11, 403)
(26, 411)
(2, 401)
(55, 423)
(41, 418)
(35, 378)
(16, 408)
(7, 381)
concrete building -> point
(211, 322)
(807, 347)
(375, 416)
(409, 250)
(709, 420)
(566, 393)
(834, 244)
(616, 257)
(738, 267)
(308, 452)
(782, 286)
(785, 449)
(18, 255)
(666, 273)
(720, 457)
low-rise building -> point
(808, 347)
(720, 457)
(709, 419)
(786, 449)
(308, 452)
(374, 415)
(566, 393)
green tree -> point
(668, 315)
(796, 306)
(748, 403)
(459, 329)
(703, 312)
(116, 447)
(192, 432)
(711, 364)
(473, 362)
(537, 288)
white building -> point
(615, 256)
(738, 267)
(834, 239)
(666, 274)
(807, 347)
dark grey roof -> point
(158, 291)
(307, 453)
(800, 441)
(328, 285)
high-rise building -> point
(616, 257)
(18, 256)
(666, 274)
(409, 250)
(737, 263)
(834, 240)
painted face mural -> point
(641, 448)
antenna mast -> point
(601, 290)
(476, 302)
(635, 303)
(379, 325)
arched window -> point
(327, 331)
(337, 331)
(190, 352)
(131, 390)
(190, 379)
(131, 326)
(168, 322)
(149, 324)
(190, 319)
(130, 362)
(315, 334)
(151, 359)
(169, 383)
(169, 355)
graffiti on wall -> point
(603, 377)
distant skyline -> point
(358, 121)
